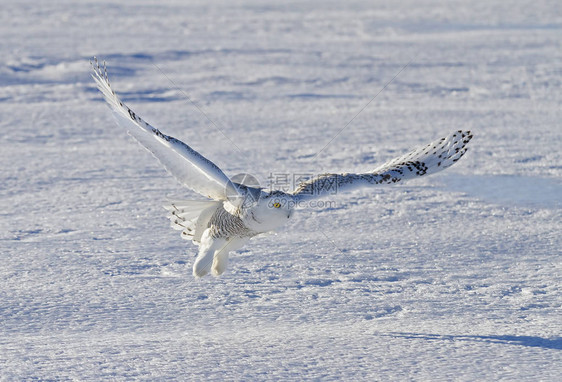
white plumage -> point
(233, 212)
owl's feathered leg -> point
(209, 245)
(213, 253)
(220, 259)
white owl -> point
(234, 212)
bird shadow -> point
(530, 341)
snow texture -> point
(451, 277)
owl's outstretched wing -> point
(431, 158)
(188, 166)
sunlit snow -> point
(451, 277)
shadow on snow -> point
(530, 341)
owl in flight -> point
(234, 212)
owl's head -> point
(273, 210)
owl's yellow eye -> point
(276, 204)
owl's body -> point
(233, 212)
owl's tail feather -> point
(191, 217)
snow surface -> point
(452, 277)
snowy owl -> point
(234, 212)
